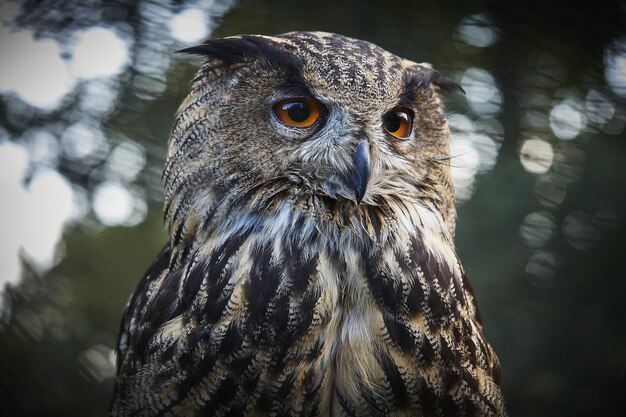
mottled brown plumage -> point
(310, 271)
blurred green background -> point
(87, 95)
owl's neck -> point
(312, 222)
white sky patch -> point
(460, 123)
(482, 93)
(487, 149)
(566, 121)
(477, 30)
(32, 225)
(84, 139)
(97, 361)
(579, 230)
(599, 108)
(13, 165)
(542, 266)
(43, 147)
(536, 156)
(537, 228)
(117, 205)
(152, 60)
(52, 200)
(112, 203)
(98, 97)
(465, 162)
(615, 66)
(149, 87)
(190, 25)
(33, 69)
(474, 150)
(98, 52)
(126, 161)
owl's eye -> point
(297, 112)
(399, 122)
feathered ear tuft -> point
(445, 83)
(243, 49)
(424, 75)
(228, 50)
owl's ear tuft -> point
(243, 50)
(445, 83)
(426, 76)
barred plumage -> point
(310, 271)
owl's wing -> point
(492, 361)
(133, 325)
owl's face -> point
(324, 116)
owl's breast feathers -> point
(364, 313)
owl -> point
(311, 267)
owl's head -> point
(315, 117)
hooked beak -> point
(359, 175)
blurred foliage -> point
(550, 287)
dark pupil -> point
(298, 111)
(394, 120)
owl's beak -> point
(360, 173)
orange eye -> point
(399, 122)
(298, 112)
